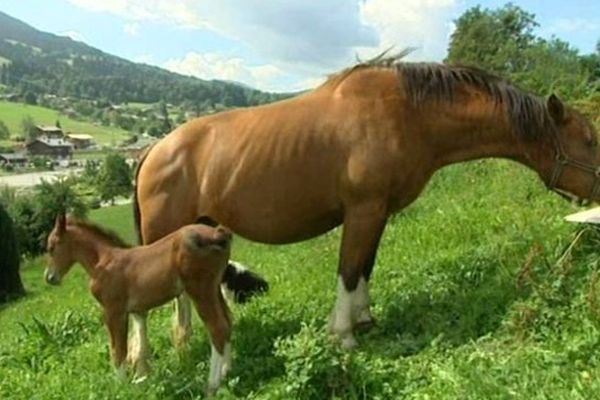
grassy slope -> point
(461, 312)
(12, 114)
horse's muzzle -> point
(52, 278)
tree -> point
(165, 123)
(502, 41)
(34, 214)
(492, 39)
(4, 132)
(114, 178)
(28, 128)
(30, 98)
(10, 281)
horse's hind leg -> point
(182, 323)
(213, 311)
(139, 348)
(363, 226)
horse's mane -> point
(437, 82)
(106, 234)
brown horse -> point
(134, 280)
(355, 150)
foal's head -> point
(60, 251)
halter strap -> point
(562, 160)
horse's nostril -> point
(52, 278)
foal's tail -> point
(137, 217)
(241, 283)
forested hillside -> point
(36, 62)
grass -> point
(141, 106)
(474, 294)
(12, 114)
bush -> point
(315, 366)
(10, 281)
(4, 132)
(34, 214)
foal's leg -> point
(139, 347)
(214, 312)
(116, 322)
(363, 226)
(182, 323)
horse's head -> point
(60, 252)
(574, 170)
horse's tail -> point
(137, 217)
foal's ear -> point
(556, 108)
(60, 224)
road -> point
(34, 178)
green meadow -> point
(480, 290)
(13, 113)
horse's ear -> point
(60, 224)
(556, 108)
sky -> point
(280, 45)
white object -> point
(591, 216)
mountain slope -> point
(45, 63)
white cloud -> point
(307, 38)
(74, 35)
(315, 35)
(132, 28)
(180, 12)
(423, 24)
(218, 66)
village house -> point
(50, 147)
(80, 140)
(13, 159)
(49, 132)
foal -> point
(134, 280)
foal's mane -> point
(105, 234)
(425, 82)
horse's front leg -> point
(363, 226)
(139, 348)
(116, 322)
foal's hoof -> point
(364, 325)
(139, 379)
(348, 342)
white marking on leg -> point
(219, 366)
(141, 349)
(362, 307)
(228, 295)
(183, 321)
(341, 321)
